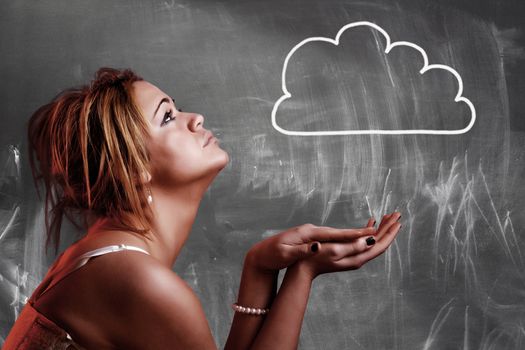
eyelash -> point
(169, 115)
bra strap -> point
(84, 258)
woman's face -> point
(182, 150)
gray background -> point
(454, 279)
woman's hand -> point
(351, 255)
(286, 248)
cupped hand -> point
(286, 248)
(352, 254)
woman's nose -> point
(196, 121)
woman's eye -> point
(168, 116)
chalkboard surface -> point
(454, 279)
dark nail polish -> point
(314, 247)
(370, 241)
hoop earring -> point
(150, 197)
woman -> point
(120, 155)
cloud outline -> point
(389, 46)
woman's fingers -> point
(341, 250)
(384, 242)
(384, 220)
(310, 233)
(356, 261)
(324, 233)
(302, 251)
(385, 226)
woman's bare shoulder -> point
(135, 300)
(156, 309)
(128, 299)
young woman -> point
(119, 154)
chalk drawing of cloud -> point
(389, 46)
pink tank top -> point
(34, 331)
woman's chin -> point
(224, 160)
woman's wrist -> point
(257, 291)
(252, 263)
(304, 270)
(253, 271)
(260, 280)
(302, 267)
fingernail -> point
(314, 247)
(370, 241)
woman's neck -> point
(174, 212)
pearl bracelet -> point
(249, 310)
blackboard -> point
(454, 277)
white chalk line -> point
(389, 46)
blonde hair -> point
(91, 149)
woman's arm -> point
(257, 289)
(261, 268)
(343, 249)
(282, 326)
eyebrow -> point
(165, 99)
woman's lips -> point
(209, 139)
